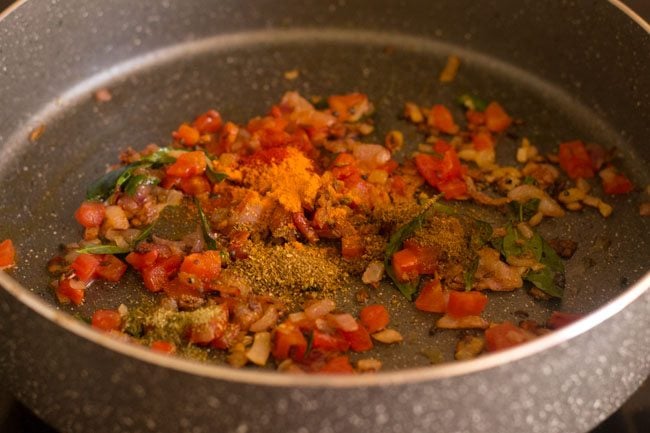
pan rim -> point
(275, 379)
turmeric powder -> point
(291, 182)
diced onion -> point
(261, 348)
(268, 319)
(319, 308)
(344, 322)
(388, 336)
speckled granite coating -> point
(48, 74)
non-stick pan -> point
(569, 69)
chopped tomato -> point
(187, 134)
(339, 364)
(432, 298)
(90, 214)
(359, 340)
(205, 266)
(142, 260)
(453, 189)
(352, 246)
(614, 182)
(348, 107)
(289, 342)
(496, 118)
(559, 319)
(106, 320)
(374, 318)
(476, 118)
(466, 303)
(195, 185)
(70, 290)
(156, 276)
(208, 122)
(443, 173)
(505, 335)
(188, 164)
(329, 342)
(575, 160)
(483, 141)
(427, 257)
(405, 264)
(441, 119)
(110, 268)
(85, 266)
(7, 254)
(163, 347)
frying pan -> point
(570, 69)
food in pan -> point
(247, 235)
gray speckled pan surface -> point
(166, 61)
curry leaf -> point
(210, 243)
(395, 242)
(215, 176)
(472, 102)
(104, 249)
(134, 182)
(103, 187)
(548, 278)
(468, 276)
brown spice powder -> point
(291, 270)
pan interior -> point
(242, 75)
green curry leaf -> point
(210, 243)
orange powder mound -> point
(291, 182)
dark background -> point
(633, 417)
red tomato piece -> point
(574, 159)
(453, 189)
(206, 265)
(466, 303)
(106, 320)
(7, 254)
(405, 264)
(346, 107)
(440, 118)
(289, 342)
(443, 173)
(482, 141)
(329, 342)
(156, 276)
(505, 335)
(195, 185)
(163, 347)
(359, 340)
(142, 260)
(352, 246)
(70, 290)
(614, 182)
(110, 268)
(208, 122)
(374, 318)
(187, 134)
(85, 266)
(496, 118)
(559, 319)
(337, 365)
(188, 164)
(432, 298)
(90, 214)
(476, 118)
